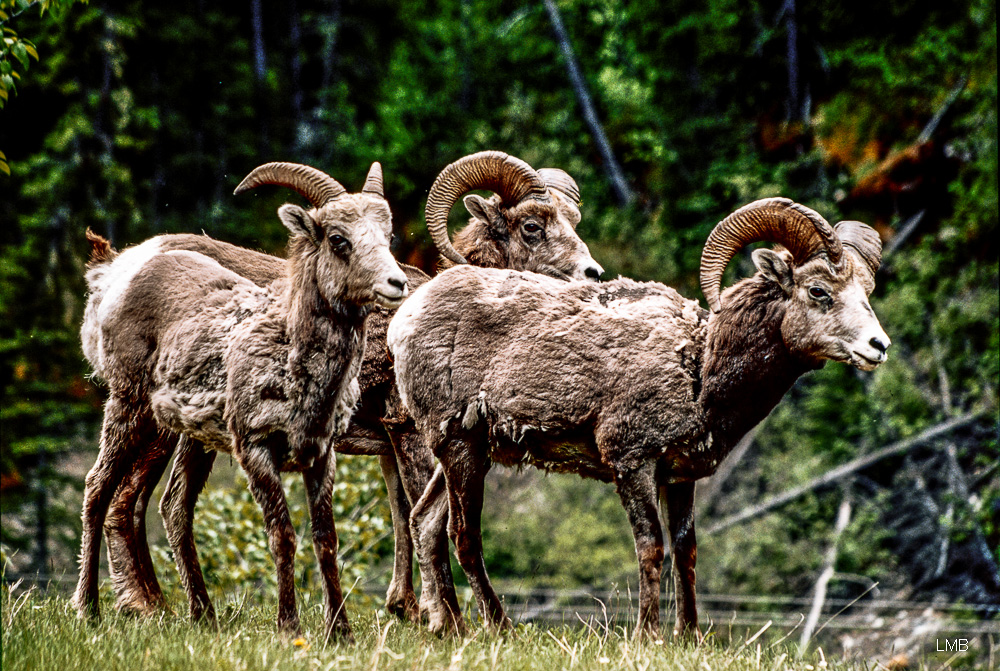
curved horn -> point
(373, 183)
(863, 239)
(510, 177)
(560, 180)
(315, 185)
(801, 230)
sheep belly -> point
(190, 393)
(574, 452)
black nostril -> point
(593, 273)
(399, 284)
(878, 344)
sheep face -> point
(349, 240)
(540, 236)
(827, 313)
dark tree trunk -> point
(41, 559)
(331, 27)
(465, 92)
(298, 97)
(795, 111)
(259, 57)
(260, 72)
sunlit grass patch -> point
(42, 632)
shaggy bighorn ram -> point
(528, 224)
(625, 381)
(268, 374)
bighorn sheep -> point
(528, 224)
(625, 381)
(268, 374)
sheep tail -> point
(101, 251)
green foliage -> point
(232, 545)
(17, 52)
(140, 118)
(557, 531)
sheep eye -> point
(532, 227)
(818, 293)
(340, 243)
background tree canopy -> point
(140, 118)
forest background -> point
(139, 118)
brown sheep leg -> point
(131, 566)
(264, 482)
(192, 466)
(679, 497)
(638, 492)
(465, 473)
(416, 466)
(428, 528)
(401, 600)
(124, 430)
(319, 479)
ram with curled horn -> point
(550, 201)
(623, 381)
(266, 373)
(528, 224)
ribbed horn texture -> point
(863, 239)
(510, 177)
(801, 230)
(373, 183)
(560, 180)
(314, 185)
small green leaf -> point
(31, 50)
(20, 53)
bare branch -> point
(819, 598)
(709, 488)
(623, 192)
(928, 131)
(846, 469)
(905, 231)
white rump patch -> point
(107, 283)
(115, 282)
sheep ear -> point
(298, 222)
(774, 266)
(482, 209)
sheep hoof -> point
(403, 604)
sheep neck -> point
(747, 366)
(326, 341)
(482, 246)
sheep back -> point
(576, 365)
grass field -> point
(42, 632)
